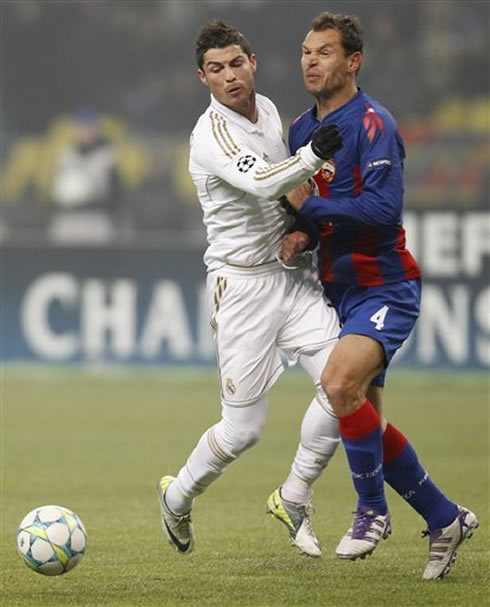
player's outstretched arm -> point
(221, 151)
(381, 200)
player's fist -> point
(326, 140)
(292, 245)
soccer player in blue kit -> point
(374, 283)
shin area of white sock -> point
(238, 430)
(319, 440)
(203, 466)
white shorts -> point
(255, 314)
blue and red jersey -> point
(360, 196)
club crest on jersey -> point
(245, 163)
(328, 170)
(230, 386)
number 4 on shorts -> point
(379, 317)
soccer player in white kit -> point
(259, 307)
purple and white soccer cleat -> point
(367, 528)
(444, 543)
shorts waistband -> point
(270, 267)
(274, 266)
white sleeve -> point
(218, 149)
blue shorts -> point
(386, 313)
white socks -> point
(320, 438)
(220, 445)
(241, 428)
(296, 490)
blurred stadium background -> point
(100, 228)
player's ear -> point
(253, 61)
(202, 77)
(355, 61)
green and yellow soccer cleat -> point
(178, 529)
(297, 518)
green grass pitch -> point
(97, 442)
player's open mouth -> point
(234, 91)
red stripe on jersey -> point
(325, 254)
(325, 261)
(357, 181)
(322, 184)
(371, 122)
(364, 263)
(408, 262)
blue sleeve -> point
(381, 199)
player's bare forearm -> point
(299, 195)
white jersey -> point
(240, 169)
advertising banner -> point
(123, 304)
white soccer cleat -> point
(367, 528)
(178, 529)
(444, 543)
(297, 518)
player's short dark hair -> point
(218, 34)
(349, 27)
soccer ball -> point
(51, 540)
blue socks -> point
(375, 457)
(404, 472)
(362, 437)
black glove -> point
(326, 140)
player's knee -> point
(241, 428)
(236, 437)
(343, 391)
(242, 439)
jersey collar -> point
(342, 108)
